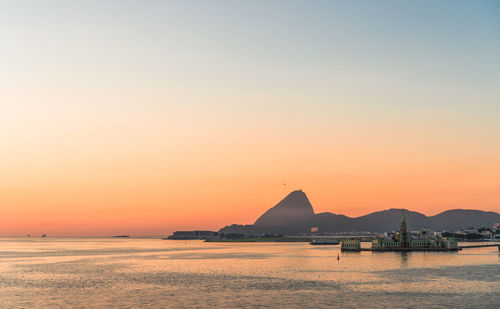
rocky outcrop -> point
(294, 209)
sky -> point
(145, 117)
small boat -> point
(43, 235)
(324, 241)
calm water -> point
(132, 273)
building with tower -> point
(403, 241)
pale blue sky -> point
(427, 49)
(357, 60)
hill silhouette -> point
(295, 214)
(462, 218)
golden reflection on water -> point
(92, 272)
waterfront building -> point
(186, 235)
(402, 241)
(351, 244)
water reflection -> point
(404, 259)
(148, 272)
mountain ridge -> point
(295, 215)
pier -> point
(396, 249)
(481, 246)
(421, 249)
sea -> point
(154, 273)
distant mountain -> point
(388, 220)
(462, 218)
(295, 214)
(327, 221)
(242, 229)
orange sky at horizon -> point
(95, 187)
(87, 179)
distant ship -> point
(43, 235)
(324, 241)
(121, 236)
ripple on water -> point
(133, 274)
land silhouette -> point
(295, 214)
